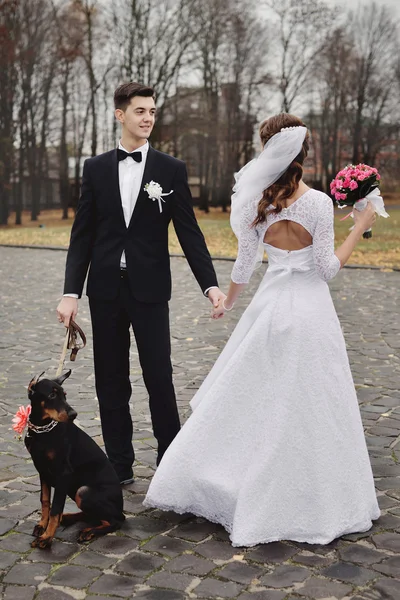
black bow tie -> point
(137, 156)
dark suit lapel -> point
(147, 177)
(115, 184)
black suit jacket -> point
(99, 233)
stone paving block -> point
(393, 494)
(386, 502)
(173, 581)
(389, 566)
(349, 573)
(388, 484)
(7, 559)
(388, 521)
(134, 504)
(6, 496)
(240, 572)
(195, 531)
(276, 552)
(191, 564)
(360, 554)
(158, 594)
(166, 545)
(59, 552)
(19, 592)
(285, 576)
(87, 558)
(16, 542)
(139, 564)
(74, 576)
(317, 587)
(27, 574)
(169, 516)
(216, 550)
(114, 544)
(384, 589)
(311, 560)
(115, 585)
(143, 528)
(52, 594)
(264, 595)
(387, 541)
(213, 588)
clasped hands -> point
(218, 300)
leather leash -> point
(72, 343)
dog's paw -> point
(86, 535)
(38, 530)
(42, 542)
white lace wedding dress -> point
(275, 448)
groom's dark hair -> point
(126, 91)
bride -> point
(275, 448)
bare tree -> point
(69, 49)
(96, 54)
(333, 75)
(301, 29)
(153, 39)
(9, 39)
(245, 75)
(36, 64)
(375, 35)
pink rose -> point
(353, 185)
(339, 196)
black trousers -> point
(111, 321)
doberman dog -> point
(69, 460)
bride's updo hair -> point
(288, 183)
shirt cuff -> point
(213, 287)
(71, 296)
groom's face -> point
(138, 119)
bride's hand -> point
(218, 311)
(364, 219)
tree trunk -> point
(63, 174)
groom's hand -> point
(67, 310)
(216, 297)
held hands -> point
(220, 305)
(216, 297)
(67, 310)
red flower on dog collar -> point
(21, 418)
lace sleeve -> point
(247, 247)
(326, 262)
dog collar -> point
(42, 428)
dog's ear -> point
(60, 380)
(33, 382)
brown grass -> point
(382, 250)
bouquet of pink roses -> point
(354, 186)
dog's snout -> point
(72, 414)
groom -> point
(121, 231)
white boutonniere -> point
(155, 192)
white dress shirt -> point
(130, 174)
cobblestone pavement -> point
(162, 556)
